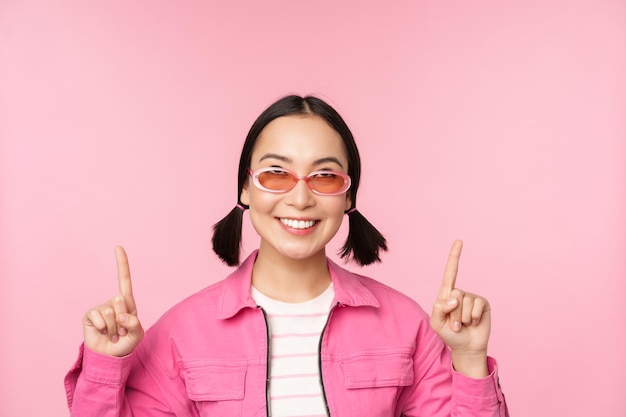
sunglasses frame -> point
(347, 181)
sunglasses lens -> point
(322, 182)
(276, 180)
(327, 183)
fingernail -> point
(474, 322)
(451, 301)
(122, 319)
(456, 326)
(114, 338)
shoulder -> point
(201, 304)
(366, 290)
(387, 311)
(374, 284)
(389, 296)
(221, 300)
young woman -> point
(291, 333)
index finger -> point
(123, 278)
(452, 267)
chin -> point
(301, 255)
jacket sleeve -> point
(439, 391)
(106, 386)
(482, 395)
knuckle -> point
(437, 307)
(132, 322)
(457, 293)
(89, 315)
(94, 315)
(93, 318)
(467, 316)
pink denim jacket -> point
(208, 356)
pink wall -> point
(501, 124)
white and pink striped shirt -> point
(295, 330)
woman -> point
(290, 333)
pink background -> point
(498, 123)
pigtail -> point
(364, 241)
(227, 236)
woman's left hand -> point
(462, 320)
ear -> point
(348, 201)
(245, 194)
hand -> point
(462, 320)
(113, 327)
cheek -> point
(338, 206)
(260, 206)
(260, 201)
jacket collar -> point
(235, 296)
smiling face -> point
(296, 224)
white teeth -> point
(298, 224)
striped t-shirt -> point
(295, 330)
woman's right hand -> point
(113, 327)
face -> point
(297, 224)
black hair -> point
(363, 243)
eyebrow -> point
(289, 160)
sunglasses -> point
(279, 180)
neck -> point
(290, 280)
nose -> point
(300, 196)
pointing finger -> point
(123, 277)
(450, 272)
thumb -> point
(441, 311)
(131, 323)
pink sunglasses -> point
(279, 180)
